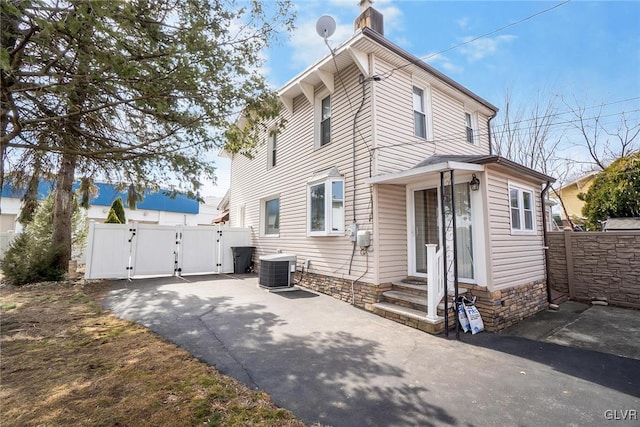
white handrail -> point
(435, 281)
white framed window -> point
(272, 146)
(522, 209)
(422, 111)
(325, 205)
(419, 113)
(471, 123)
(270, 210)
(323, 119)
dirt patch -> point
(65, 361)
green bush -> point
(28, 261)
(118, 208)
(112, 218)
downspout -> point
(489, 134)
(544, 238)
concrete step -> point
(409, 317)
(406, 299)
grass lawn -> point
(65, 361)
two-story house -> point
(373, 138)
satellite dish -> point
(326, 26)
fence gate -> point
(117, 251)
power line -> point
(497, 30)
(461, 135)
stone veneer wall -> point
(499, 309)
(366, 294)
(592, 266)
(506, 307)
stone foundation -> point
(499, 309)
(363, 295)
(506, 307)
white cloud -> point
(486, 46)
(463, 22)
(442, 62)
(307, 47)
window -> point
(419, 113)
(271, 217)
(325, 121)
(326, 206)
(470, 128)
(271, 149)
(522, 212)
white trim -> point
(272, 145)
(427, 105)
(520, 189)
(410, 175)
(326, 179)
(474, 126)
(317, 117)
(263, 215)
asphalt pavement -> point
(333, 364)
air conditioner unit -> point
(276, 271)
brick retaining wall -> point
(596, 266)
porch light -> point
(474, 184)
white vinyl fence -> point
(6, 237)
(116, 251)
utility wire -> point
(497, 30)
(461, 135)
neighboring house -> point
(374, 163)
(571, 205)
(155, 208)
(621, 224)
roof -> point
(622, 224)
(438, 163)
(581, 179)
(161, 200)
(224, 217)
(356, 50)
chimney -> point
(369, 17)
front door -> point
(425, 228)
(425, 223)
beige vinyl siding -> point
(397, 148)
(297, 161)
(449, 126)
(515, 259)
(391, 229)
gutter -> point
(544, 238)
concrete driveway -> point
(333, 364)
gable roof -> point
(356, 50)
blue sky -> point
(586, 49)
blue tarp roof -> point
(107, 193)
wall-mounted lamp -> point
(474, 184)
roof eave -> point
(375, 36)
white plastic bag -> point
(462, 317)
(475, 320)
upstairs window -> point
(271, 149)
(521, 204)
(470, 128)
(325, 121)
(419, 113)
(325, 195)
